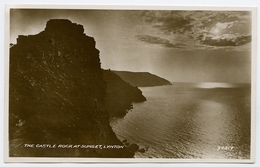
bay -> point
(190, 120)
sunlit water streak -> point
(190, 121)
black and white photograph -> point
(149, 84)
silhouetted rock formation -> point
(120, 95)
(142, 79)
(57, 93)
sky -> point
(179, 45)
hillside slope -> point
(142, 79)
(120, 95)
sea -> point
(190, 121)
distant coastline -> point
(142, 79)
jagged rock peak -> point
(64, 25)
(62, 30)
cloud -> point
(215, 18)
(195, 28)
(224, 25)
(159, 41)
(168, 21)
(225, 40)
(186, 21)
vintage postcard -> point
(130, 84)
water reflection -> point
(211, 120)
(182, 121)
(206, 85)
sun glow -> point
(215, 31)
(208, 85)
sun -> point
(215, 31)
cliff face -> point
(120, 95)
(142, 79)
(57, 93)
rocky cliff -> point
(142, 79)
(57, 95)
(120, 95)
